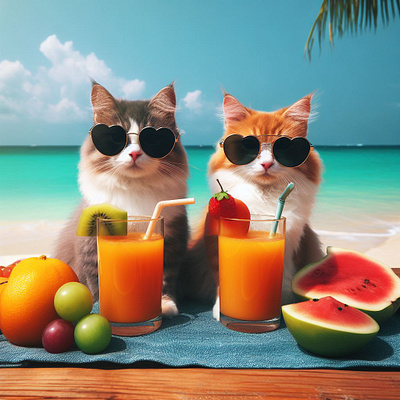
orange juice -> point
(130, 277)
(250, 275)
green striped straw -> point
(281, 203)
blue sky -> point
(252, 49)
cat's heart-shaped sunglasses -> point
(111, 140)
(289, 152)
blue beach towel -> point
(194, 338)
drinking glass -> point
(251, 255)
(131, 273)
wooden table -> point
(196, 383)
(145, 381)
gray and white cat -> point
(133, 182)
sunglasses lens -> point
(157, 143)
(291, 152)
(109, 140)
(241, 150)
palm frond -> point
(349, 16)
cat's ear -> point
(299, 113)
(103, 104)
(234, 111)
(164, 103)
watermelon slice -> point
(328, 327)
(351, 278)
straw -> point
(159, 207)
(281, 203)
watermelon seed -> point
(346, 305)
(315, 299)
(366, 280)
(340, 308)
(364, 286)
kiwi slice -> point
(87, 225)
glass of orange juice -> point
(131, 274)
(251, 254)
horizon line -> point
(205, 145)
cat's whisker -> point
(169, 165)
(242, 173)
(175, 172)
(174, 177)
(189, 165)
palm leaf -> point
(348, 16)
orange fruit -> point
(27, 302)
(3, 284)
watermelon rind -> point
(380, 311)
(323, 340)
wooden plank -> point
(197, 383)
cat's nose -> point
(266, 165)
(135, 155)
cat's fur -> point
(260, 188)
(132, 185)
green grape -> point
(92, 334)
(73, 301)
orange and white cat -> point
(259, 185)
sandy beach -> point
(387, 252)
(32, 238)
(27, 239)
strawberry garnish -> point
(222, 204)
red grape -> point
(6, 271)
(58, 336)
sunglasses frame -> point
(222, 145)
(134, 133)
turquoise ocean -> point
(359, 199)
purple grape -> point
(58, 336)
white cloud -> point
(10, 70)
(193, 101)
(9, 108)
(133, 89)
(70, 66)
(65, 109)
(59, 93)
